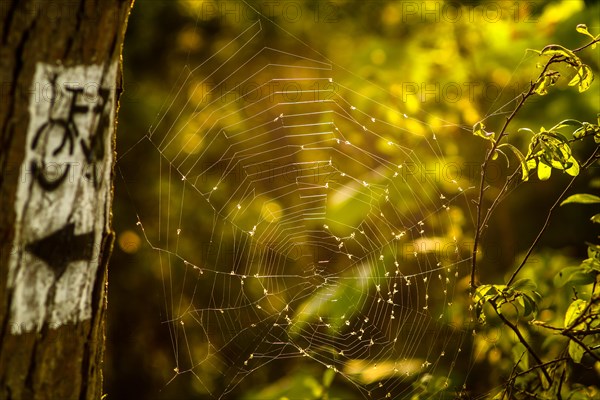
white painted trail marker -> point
(63, 196)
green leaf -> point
(573, 170)
(567, 122)
(524, 284)
(529, 306)
(544, 171)
(558, 50)
(595, 219)
(485, 291)
(591, 264)
(584, 75)
(586, 82)
(526, 130)
(582, 278)
(583, 29)
(576, 351)
(579, 393)
(545, 81)
(579, 76)
(576, 275)
(583, 78)
(479, 130)
(524, 166)
(555, 152)
(593, 250)
(555, 135)
(586, 129)
(575, 310)
(581, 198)
(498, 151)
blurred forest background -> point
(389, 43)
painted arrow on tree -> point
(62, 247)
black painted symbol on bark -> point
(62, 247)
(92, 148)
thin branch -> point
(517, 332)
(547, 363)
(580, 318)
(501, 195)
(488, 158)
(529, 394)
(547, 222)
(582, 137)
(583, 345)
(478, 227)
(524, 96)
(512, 372)
(560, 383)
(499, 198)
(561, 331)
(540, 233)
(573, 334)
(587, 45)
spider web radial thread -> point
(295, 223)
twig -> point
(488, 158)
(524, 96)
(547, 363)
(580, 342)
(560, 383)
(588, 306)
(513, 378)
(517, 332)
(499, 198)
(529, 394)
(540, 233)
(478, 227)
(587, 45)
(547, 222)
(512, 372)
(574, 332)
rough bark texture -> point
(63, 363)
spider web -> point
(297, 221)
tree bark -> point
(60, 85)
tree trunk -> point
(60, 85)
